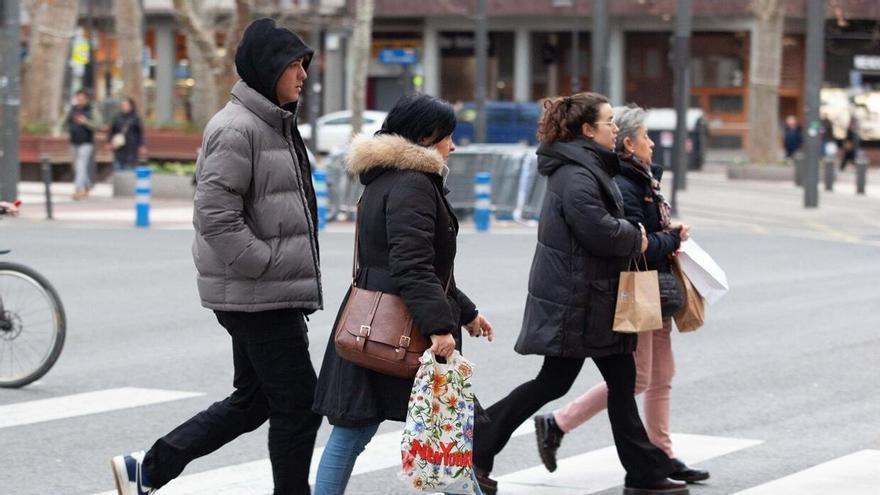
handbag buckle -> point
(404, 341)
(364, 332)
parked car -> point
(506, 122)
(334, 129)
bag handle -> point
(354, 262)
(635, 260)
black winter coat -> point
(641, 204)
(129, 124)
(584, 243)
(407, 237)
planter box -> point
(777, 173)
(161, 186)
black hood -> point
(265, 52)
(579, 150)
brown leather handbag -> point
(377, 332)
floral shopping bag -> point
(437, 444)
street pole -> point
(814, 73)
(681, 63)
(10, 43)
(482, 48)
(316, 87)
(575, 52)
(599, 46)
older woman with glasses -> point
(639, 182)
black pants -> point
(274, 379)
(642, 461)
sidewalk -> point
(711, 201)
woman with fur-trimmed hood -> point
(407, 245)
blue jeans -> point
(340, 453)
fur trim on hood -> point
(391, 151)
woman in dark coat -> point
(584, 242)
(639, 183)
(407, 245)
(126, 124)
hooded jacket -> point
(583, 244)
(255, 216)
(407, 246)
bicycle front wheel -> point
(32, 325)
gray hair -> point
(629, 120)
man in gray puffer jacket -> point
(256, 251)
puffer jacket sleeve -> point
(599, 232)
(660, 244)
(223, 180)
(411, 214)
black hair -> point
(422, 119)
(83, 92)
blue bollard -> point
(483, 203)
(322, 195)
(142, 197)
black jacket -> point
(407, 237)
(583, 244)
(641, 204)
(80, 133)
(129, 124)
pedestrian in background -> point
(81, 126)
(639, 183)
(256, 252)
(126, 136)
(792, 136)
(850, 143)
(584, 242)
(407, 244)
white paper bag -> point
(704, 273)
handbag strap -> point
(355, 258)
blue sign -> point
(404, 56)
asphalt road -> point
(790, 357)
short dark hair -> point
(83, 92)
(419, 117)
(564, 115)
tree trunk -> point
(362, 41)
(766, 68)
(43, 72)
(130, 36)
(213, 67)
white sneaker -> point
(127, 471)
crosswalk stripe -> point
(70, 406)
(599, 470)
(382, 452)
(853, 474)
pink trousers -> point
(655, 367)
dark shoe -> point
(687, 474)
(549, 438)
(487, 485)
(664, 486)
